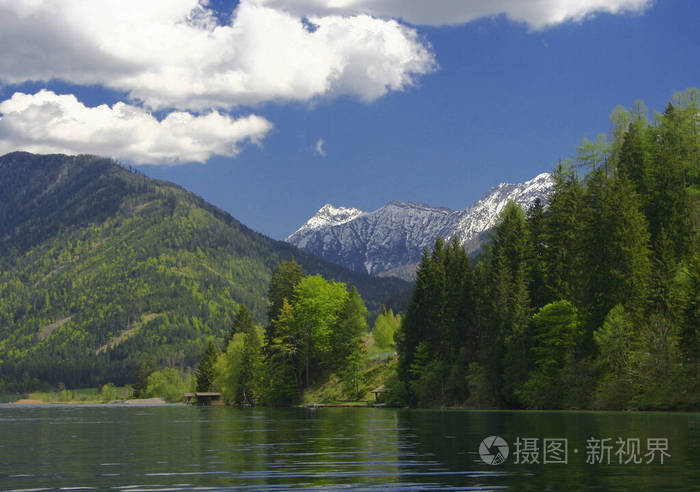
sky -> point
(270, 109)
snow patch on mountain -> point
(329, 216)
(395, 235)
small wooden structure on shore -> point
(204, 398)
(378, 392)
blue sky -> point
(491, 98)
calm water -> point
(185, 448)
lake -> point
(218, 448)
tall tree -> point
(206, 369)
(564, 220)
(556, 334)
(511, 252)
(317, 305)
(348, 349)
(284, 280)
(616, 248)
(242, 322)
(539, 293)
(284, 360)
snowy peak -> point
(482, 215)
(329, 216)
(393, 237)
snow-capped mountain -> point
(392, 238)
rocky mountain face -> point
(390, 240)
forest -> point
(106, 274)
(316, 329)
(591, 300)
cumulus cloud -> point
(49, 123)
(538, 14)
(319, 147)
(174, 54)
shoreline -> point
(129, 402)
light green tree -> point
(386, 324)
(317, 305)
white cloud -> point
(538, 14)
(319, 147)
(172, 54)
(49, 123)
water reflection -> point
(210, 448)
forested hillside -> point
(592, 301)
(102, 268)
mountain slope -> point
(392, 238)
(101, 267)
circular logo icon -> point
(493, 450)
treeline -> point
(591, 300)
(316, 329)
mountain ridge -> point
(393, 237)
(90, 250)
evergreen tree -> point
(616, 343)
(690, 328)
(512, 252)
(348, 345)
(283, 367)
(564, 250)
(414, 324)
(251, 374)
(206, 369)
(146, 368)
(346, 338)
(667, 199)
(284, 280)
(242, 323)
(539, 292)
(556, 334)
(617, 248)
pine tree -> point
(564, 219)
(347, 335)
(251, 375)
(348, 346)
(283, 364)
(414, 324)
(617, 249)
(242, 323)
(512, 250)
(284, 280)
(556, 334)
(539, 292)
(206, 369)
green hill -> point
(102, 267)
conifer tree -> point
(539, 293)
(284, 280)
(242, 322)
(206, 369)
(283, 366)
(511, 249)
(556, 335)
(564, 219)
